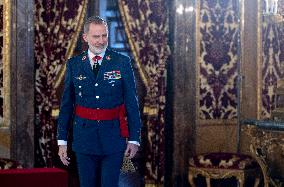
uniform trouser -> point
(103, 168)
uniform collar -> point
(92, 55)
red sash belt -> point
(105, 114)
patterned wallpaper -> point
(281, 7)
(273, 63)
(219, 44)
(1, 64)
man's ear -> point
(85, 37)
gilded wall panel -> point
(219, 58)
(216, 138)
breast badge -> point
(108, 57)
(80, 77)
(84, 58)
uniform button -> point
(97, 97)
(80, 94)
(98, 121)
(80, 86)
(98, 108)
(96, 84)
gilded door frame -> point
(7, 7)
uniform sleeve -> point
(131, 103)
(67, 105)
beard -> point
(97, 50)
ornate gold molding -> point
(217, 122)
(212, 173)
(6, 62)
(197, 61)
(241, 24)
(259, 59)
(264, 143)
(72, 44)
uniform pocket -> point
(83, 87)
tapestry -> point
(219, 59)
(57, 24)
(146, 26)
(272, 63)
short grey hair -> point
(95, 20)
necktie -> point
(96, 65)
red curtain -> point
(146, 27)
(57, 25)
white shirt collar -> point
(92, 55)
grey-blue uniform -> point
(113, 86)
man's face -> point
(97, 38)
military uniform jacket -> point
(113, 86)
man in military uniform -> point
(100, 98)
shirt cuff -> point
(61, 142)
(134, 142)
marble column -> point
(19, 83)
(182, 84)
(251, 59)
(251, 65)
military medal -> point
(84, 58)
(110, 75)
(112, 81)
(108, 57)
